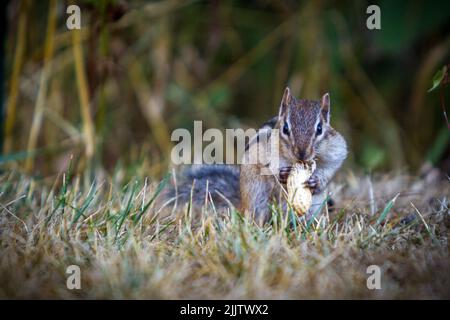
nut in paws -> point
(299, 193)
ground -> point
(110, 228)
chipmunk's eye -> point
(286, 129)
(319, 129)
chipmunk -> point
(304, 133)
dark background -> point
(152, 67)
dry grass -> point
(109, 227)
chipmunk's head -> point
(303, 124)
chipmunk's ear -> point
(325, 107)
(285, 102)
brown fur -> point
(251, 190)
(327, 149)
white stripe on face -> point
(288, 121)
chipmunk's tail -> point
(220, 183)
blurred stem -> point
(151, 106)
(88, 125)
(14, 82)
(152, 97)
(439, 145)
(40, 101)
(421, 117)
(313, 54)
(104, 38)
(62, 124)
(282, 72)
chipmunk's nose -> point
(301, 155)
(304, 154)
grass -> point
(126, 248)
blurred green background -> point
(137, 70)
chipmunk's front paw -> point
(284, 174)
(313, 183)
